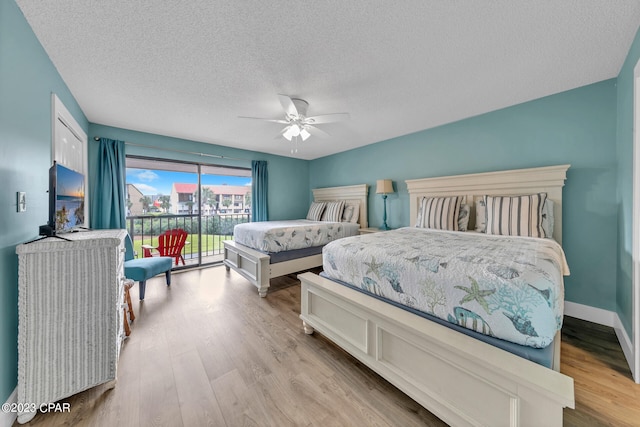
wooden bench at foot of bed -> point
(461, 380)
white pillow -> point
(548, 221)
(463, 217)
(315, 211)
(481, 215)
(351, 211)
(439, 213)
(515, 215)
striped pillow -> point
(515, 215)
(333, 211)
(439, 213)
(315, 211)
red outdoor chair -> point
(170, 243)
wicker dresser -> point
(70, 315)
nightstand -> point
(370, 230)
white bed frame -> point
(255, 266)
(461, 380)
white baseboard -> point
(591, 314)
(606, 318)
(626, 344)
(7, 418)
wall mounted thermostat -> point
(21, 201)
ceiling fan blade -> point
(327, 118)
(288, 105)
(314, 131)
(266, 120)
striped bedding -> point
(502, 286)
(278, 236)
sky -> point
(152, 182)
(70, 183)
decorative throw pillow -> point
(463, 217)
(324, 212)
(515, 215)
(347, 213)
(548, 221)
(333, 211)
(351, 211)
(481, 216)
(439, 213)
(315, 211)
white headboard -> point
(349, 192)
(549, 179)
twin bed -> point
(399, 300)
(467, 324)
(264, 255)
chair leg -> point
(127, 295)
(141, 287)
(127, 329)
(168, 276)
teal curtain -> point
(259, 184)
(108, 204)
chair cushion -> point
(144, 268)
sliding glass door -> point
(204, 200)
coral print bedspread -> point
(503, 286)
(278, 236)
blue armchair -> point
(142, 269)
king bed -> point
(432, 311)
(264, 250)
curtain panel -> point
(259, 184)
(108, 206)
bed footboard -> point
(461, 380)
(255, 266)
(251, 264)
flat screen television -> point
(66, 199)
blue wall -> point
(624, 303)
(27, 79)
(576, 127)
(589, 127)
(288, 178)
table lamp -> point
(384, 187)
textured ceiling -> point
(188, 69)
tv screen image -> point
(68, 195)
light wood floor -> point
(209, 352)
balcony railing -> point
(145, 229)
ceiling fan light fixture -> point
(299, 126)
(288, 134)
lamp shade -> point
(384, 186)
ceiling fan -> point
(298, 124)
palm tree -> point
(146, 203)
(190, 206)
(165, 203)
(208, 196)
